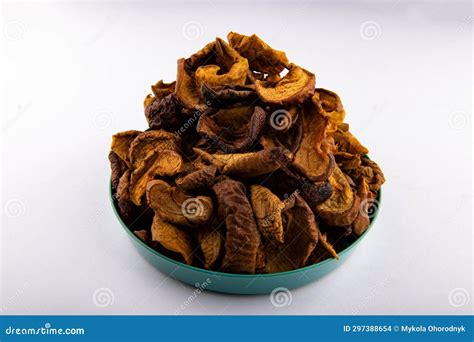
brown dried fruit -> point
(342, 207)
(172, 238)
(362, 221)
(163, 113)
(231, 70)
(295, 87)
(267, 209)
(242, 237)
(175, 206)
(231, 123)
(261, 57)
(202, 178)
(247, 165)
(157, 162)
(219, 129)
(301, 237)
(121, 144)
(149, 141)
(186, 91)
(117, 167)
(313, 159)
(211, 241)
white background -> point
(74, 74)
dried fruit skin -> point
(301, 237)
(342, 207)
(261, 56)
(202, 178)
(240, 140)
(121, 144)
(295, 87)
(172, 238)
(175, 206)
(149, 141)
(267, 209)
(242, 237)
(163, 113)
(211, 242)
(117, 167)
(157, 162)
(247, 165)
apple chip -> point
(232, 69)
(362, 221)
(329, 105)
(247, 165)
(301, 237)
(201, 178)
(177, 207)
(172, 238)
(267, 209)
(121, 144)
(261, 57)
(295, 87)
(220, 130)
(242, 237)
(147, 142)
(186, 90)
(314, 159)
(157, 162)
(211, 242)
(342, 207)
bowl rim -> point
(378, 200)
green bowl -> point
(239, 283)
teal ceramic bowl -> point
(240, 283)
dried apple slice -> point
(157, 162)
(148, 141)
(175, 206)
(260, 55)
(301, 237)
(226, 96)
(202, 178)
(186, 90)
(295, 87)
(211, 242)
(342, 207)
(121, 143)
(231, 71)
(362, 221)
(346, 142)
(117, 167)
(267, 209)
(313, 159)
(247, 165)
(172, 238)
(242, 237)
(330, 106)
(218, 129)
